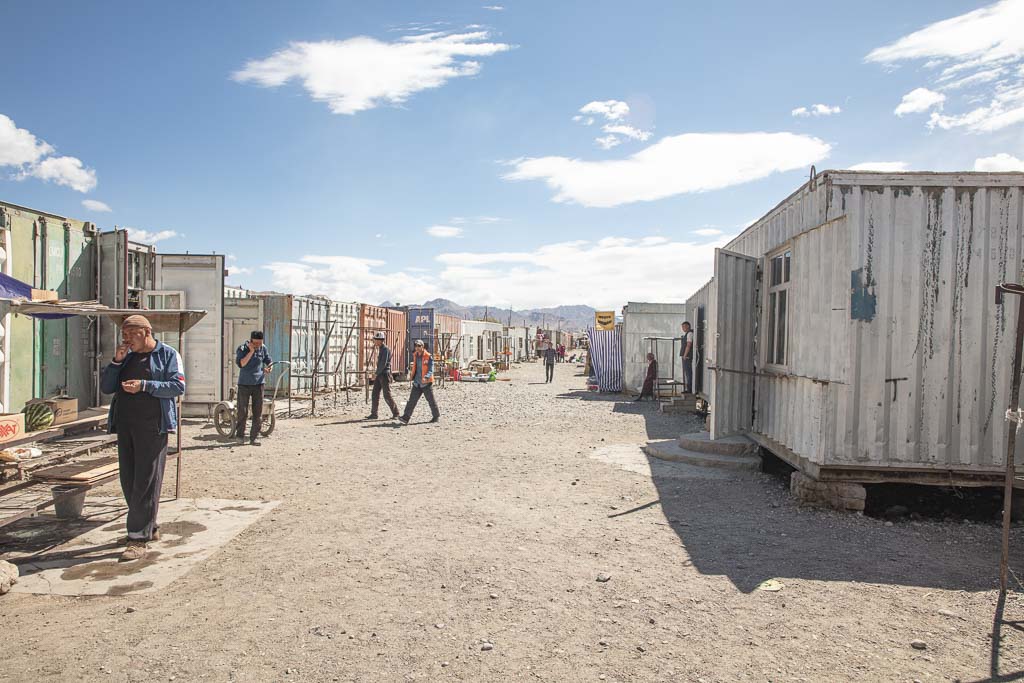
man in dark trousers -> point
(382, 378)
(650, 379)
(422, 383)
(146, 376)
(549, 353)
(686, 355)
(254, 364)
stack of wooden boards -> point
(85, 473)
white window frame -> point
(777, 290)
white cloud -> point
(481, 220)
(816, 110)
(607, 141)
(67, 171)
(693, 162)
(444, 231)
(707, 232)
(980, 54)
(96, 205)
(234, 271)
(146, 237)
(884, 166)
(494, 8)
(31, 157)
(999, 162)
(612, 110)
(361, 73)
(627, 131)
(919, 100)
(605, 273)
(18, 146)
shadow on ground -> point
(749, 529)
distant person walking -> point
(254, 363)
(145, 376)
(422, 383)
(382, 378)
(650, 379)
(686, 354)
(549, 353)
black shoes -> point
(436, 419)
(403, 419)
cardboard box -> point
(65, 408)
(12, 426)
(44, 295)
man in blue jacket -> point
(146, 377)
(254, 363)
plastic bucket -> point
(68, 501)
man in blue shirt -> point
(254, 363)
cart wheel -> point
(224, 419)
(268, 421)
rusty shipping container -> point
(398, 339)
(853, 331)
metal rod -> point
(1011, 437)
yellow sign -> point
(604, 320)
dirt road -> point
(472, 550)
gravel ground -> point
(501, 545)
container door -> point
(731, 328)
(700, 333)
(201, 278)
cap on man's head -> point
(379, 335)
(136, 321)
(418, 342)
(256, 334)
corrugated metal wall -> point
(277, 333)
(447, 329)
(898, 356)
(641, 320)
(241, 317)
(308, 342)
(371, 319)
(344, 345)
(397, 339)
(420, 323)
(731, 357)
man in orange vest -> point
(422, 383)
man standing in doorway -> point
(686, 354)
(254, 363)
(422, 384)
(549, 353)
(382, 378)
(146, 377)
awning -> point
(177, 321)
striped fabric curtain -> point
(606, 357)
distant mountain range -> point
(571, 318)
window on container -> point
(779, 276)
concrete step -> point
(677, 408)
(670, 450)
(729, 445)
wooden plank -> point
(78, 471)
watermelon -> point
(37, 416)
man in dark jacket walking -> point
(146, 376)
(254, 363)
(382, 378)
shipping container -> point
(309, 344)
(125, 269)
(277, 333)
(343, 352)
(447, 334)
(479, 341)
(372, 319)
(420, 322)
(697, 314)
(49, 357)
(518, 343)
(853, 332)
(195, 281)
(398, 339)
(641, 322)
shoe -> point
(136, 550)
(254, 442)
(370, 417)
(403, 419)
(395, 416)
(435, 419)
(156, 534)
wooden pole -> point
(1011, 437)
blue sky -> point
(402, 151)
